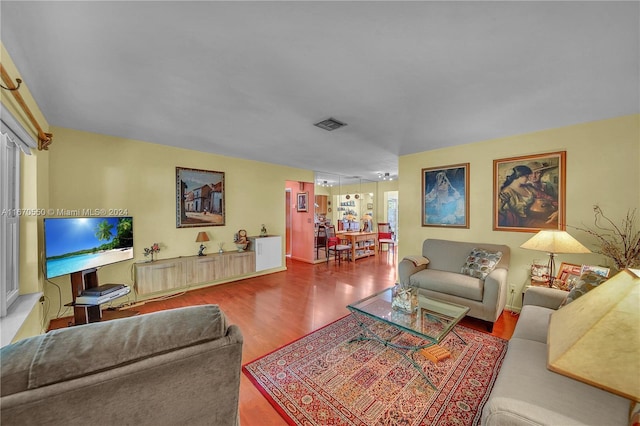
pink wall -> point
(302, 226)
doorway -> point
(288, 234)
(391, 210)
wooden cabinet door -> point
(161, 275)
(240, 263)
(205, 269)
(321, 201)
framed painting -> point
(568, 274)
(529, 192)
(303, 202)
(199, 198)
(600, 270)
(539, 271)
(445, 196)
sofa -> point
(180, 366)
(527, 393)
(437, 273)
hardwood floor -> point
(273, 310)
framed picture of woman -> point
(302, 205)
(529, 192)
(445, 196)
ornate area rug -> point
(322, 379)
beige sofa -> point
(172, 367)
(527, 393)
(441, 278)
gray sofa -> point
(180, 366)
(527, 393)
(441, 278)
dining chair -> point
(338, 246)
(321, 241)
(385, 236)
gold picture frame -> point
(200, 198)
(529, 192)
(445, 196)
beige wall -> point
(91, 171)
(603, 161)
(33, 195)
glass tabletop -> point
(432, 320)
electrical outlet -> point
(512, 288)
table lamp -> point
(202, 237)
(554, 241)
(596, 338)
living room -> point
(91, 170)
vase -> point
(242, 246)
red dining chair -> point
(385, 236)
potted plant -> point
(155, 248)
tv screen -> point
(73, 244)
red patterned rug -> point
(322, 379)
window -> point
(13, 141)
(9, 221)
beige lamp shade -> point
(202, 237)
(596, 338)
(554, 241)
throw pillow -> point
(587, 282)
(481, 262)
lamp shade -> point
(202, 237)
(596, 338)
(554, 241)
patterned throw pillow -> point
(588, 281)
(481, 262)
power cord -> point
(513, 292)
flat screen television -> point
(73, 244)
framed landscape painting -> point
(529, 192)
(445, 196)
(199, 198)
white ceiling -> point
(249, 79)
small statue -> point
(263, 231)
(201, 251)
(241, 240)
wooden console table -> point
(181, 272)
(363, 244)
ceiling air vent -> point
(330, 124)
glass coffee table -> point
(431, 321)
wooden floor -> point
(275, 309)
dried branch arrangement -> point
(619, 243)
